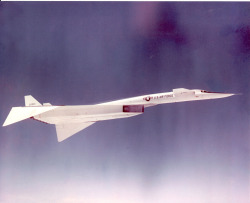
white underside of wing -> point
(71, 119)
(82, 118)
(83, 114)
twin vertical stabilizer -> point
(32, 108)
(31, 101)
(21, 113)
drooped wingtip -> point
(6, 122)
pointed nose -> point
(222, 95)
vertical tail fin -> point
(31, 101)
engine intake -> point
(133, 108)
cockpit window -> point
(204, 91)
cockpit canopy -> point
(204, 91)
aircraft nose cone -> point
(222, 95)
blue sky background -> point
(90, 52)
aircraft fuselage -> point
(72, 119)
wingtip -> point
(6, 123)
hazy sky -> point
(90, 52)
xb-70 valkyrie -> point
(69, 120)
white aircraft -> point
(72, 119)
